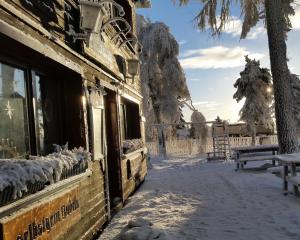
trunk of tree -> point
(161, 134)
(286, 127)
(253, 135)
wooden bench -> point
(216, 155)
(289, 171)
(278, 171)
(255, 153)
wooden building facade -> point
(68, 74)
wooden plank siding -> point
(56, 16)
(138, 170)
(94, 212)
(90, 216)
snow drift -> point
(141, 229)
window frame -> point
(35, 73)
(124, 103)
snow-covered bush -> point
(199, 131)
(17, 173)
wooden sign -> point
(45, 220)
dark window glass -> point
(130, 120)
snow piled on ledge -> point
(17, 173)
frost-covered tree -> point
(199, 129)
(254, 85)
(216, 14)
(163, 79)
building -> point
(68, 74)
(241, 130)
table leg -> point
(273, 161)
(285, 182)
(294, 173)
(237, 161)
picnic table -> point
(250, 153)
(290, 160)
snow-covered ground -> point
(190, 199)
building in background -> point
(241, 130)
(68, 74)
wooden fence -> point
(189, 146)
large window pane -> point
(48, 121)
(14, 136)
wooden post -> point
(161, 141)
(285, 182)
(294, 173)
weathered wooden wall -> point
(38, 32)
(57, 16)
(138, 169)
(79, 222)
(94, 211)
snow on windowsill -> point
(17, 173)
(132, 145)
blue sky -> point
(212, 65)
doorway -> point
(113, 148)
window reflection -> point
(14, 136)
(39, 118)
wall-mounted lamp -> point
(91, 14)
(133, 67)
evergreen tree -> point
(254, 85)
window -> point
(47, 101)
(130, 119)
(38, 110)
(14, 129)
